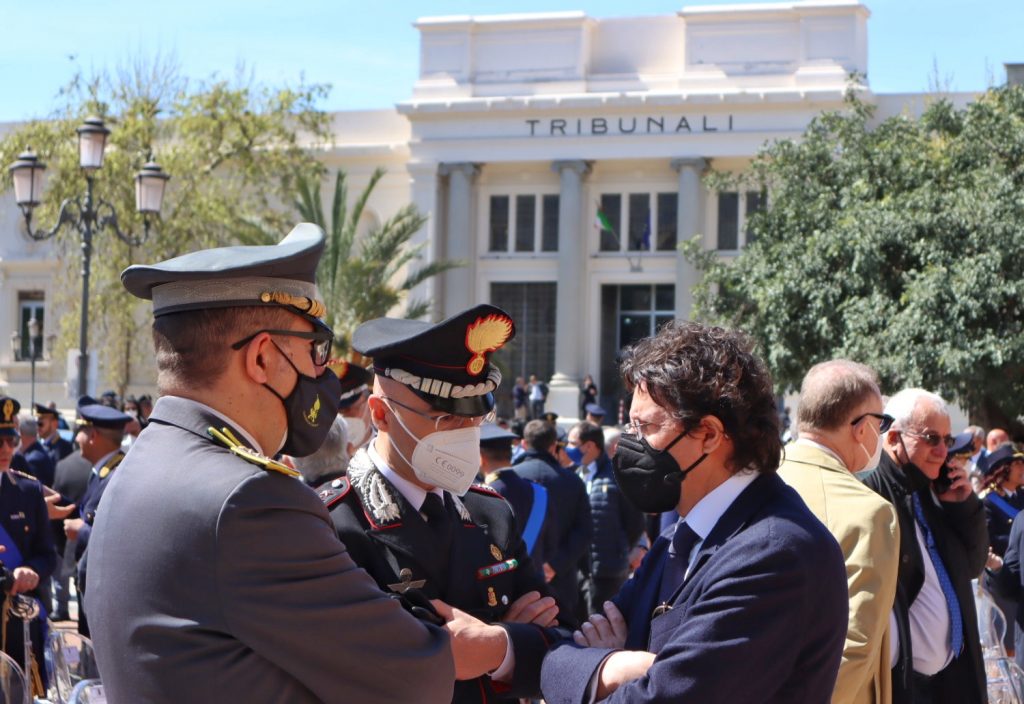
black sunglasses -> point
(885, 421)
(932, 439)
(320, 351)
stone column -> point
(689, 222)
(426, 194)
(570, 310)
(458, 286)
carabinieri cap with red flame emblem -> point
(447, 363)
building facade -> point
(561, 158)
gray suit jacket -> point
(214, 580)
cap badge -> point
(8, 410)
(314, 412)
(486, 335)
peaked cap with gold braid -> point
(448, 363)
(274, 275)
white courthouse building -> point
(521, 127)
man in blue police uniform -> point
(101, 433)
(28, 553)
(531, 504)
(411, 515)
(219, 577)
(49, 433)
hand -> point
(994, 562)
(25, 580)
(636, 556)
(55, 512)
(532, 608)
(960, 488)
(72, 526)
(549, 572)
(477, 647)
(621, 667)
(607, 631)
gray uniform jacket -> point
(212, 579)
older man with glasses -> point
(936, 654)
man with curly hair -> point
(744, 599)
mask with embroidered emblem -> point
(310, 408)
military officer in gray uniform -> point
(220, 578)
(411, 515)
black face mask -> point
(310, 408)
(649, 478)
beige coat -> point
(866, 527)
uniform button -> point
(906, 559)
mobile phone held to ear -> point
(943, 483)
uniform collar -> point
(103, 460)
(214, 412)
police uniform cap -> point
(494, 433)
(283, 275)
(41, 410)
(447, 364)
(92, 412)
(1001, 457)
(963, 444)
(594, 410)
(550, 417)
(354, 380)
(9, 408)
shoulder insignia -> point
(334, 491)
(110, 465)
(226, 438)
(486, 490)
(24, 475)
(375, 493)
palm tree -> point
(359, 279)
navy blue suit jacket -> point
(760, 618)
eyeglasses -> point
(445, 420)
(9, 440)
(636, 427)
(932, 439)
(320, 350)
(885, 421)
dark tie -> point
(956, 624)
(438, 519)
(677, 561)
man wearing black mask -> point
(745, 598)
(936, 653)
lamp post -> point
(86, 215)
(35, 337)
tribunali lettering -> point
(598, 126)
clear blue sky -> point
(368, 51)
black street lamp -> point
(35, 339)
(86, 215)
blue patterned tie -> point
(677, 561)
(955, 618)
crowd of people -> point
(282, 525)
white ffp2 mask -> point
(448, 459)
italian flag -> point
(601, 222)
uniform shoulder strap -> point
(334, 491)
(225, 437)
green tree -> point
(900, 245)
(364, 277)
(232, 147)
